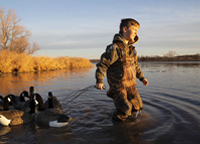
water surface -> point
(171, 113)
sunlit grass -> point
(14, 62)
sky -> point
(83, 28)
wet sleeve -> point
(107, 59)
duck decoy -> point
(10, 106)
(25, 105)
(55, 102)
(13, 117)
(18, 101)
(49, 117)
(20, 98)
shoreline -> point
(194, 57)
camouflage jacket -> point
(112, 54)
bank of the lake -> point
(12, 62)
(192, 57)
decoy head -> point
(31, 91)
(10, 98)
(50, 95)
(40, 102)
(23, 95)
(1, 98)
(50, 100)
(6, 101)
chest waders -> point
(121, 77)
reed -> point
(14, 62)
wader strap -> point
(120, 45)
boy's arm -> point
(139, 73)
(107, 59)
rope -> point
(80, 92)
(77, 94)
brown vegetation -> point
(14, 62)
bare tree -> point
(13, 35)
(22, 45)
(34, 48)
(170, 54)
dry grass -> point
(13, 62)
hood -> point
(119, 38)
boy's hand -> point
(100, 86)
(145, 82)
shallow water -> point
(171, 113)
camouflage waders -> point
(121, 78)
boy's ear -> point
(124, 29)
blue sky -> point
(83, 28)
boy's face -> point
(130, 33)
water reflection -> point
(16, 83)
(31, 133)
(4, 130)
(132, 131)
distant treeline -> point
(195, 57)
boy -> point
(120, 62)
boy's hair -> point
(127, 22)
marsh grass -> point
(13, 62)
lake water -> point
(171, 113)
